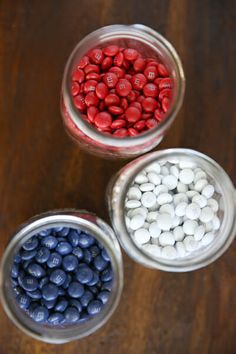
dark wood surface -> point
(41, 169)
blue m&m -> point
(61, 276)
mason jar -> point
(116, 195)
(77, 219)
(151, 44)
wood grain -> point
(40, 169)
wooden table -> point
(41, 169)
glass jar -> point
(147, 41)
(117, 191)
(87, 222)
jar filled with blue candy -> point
(61, 275)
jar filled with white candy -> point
(173, 210)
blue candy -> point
(94, 280)
(100, 263)
(54, 260)
(23, 301)
(86, 298)
(43, 282)
(49, 242)
(103, 296)
(49, 304)
(57, 229)
(75, 289)
(50, 292)
(58, 277)
(87, 258)
(71, 315)
(73, 238)
(27, 255)
(17, 258)
(70, 263)
(42, 255)
(77, 251)
(45, 232)
(107, 274)
(30, 244)
(94, 250)
(64, 232)
(67, 281)
(36, 270)
(15, 270)
(40, 314)
(29, 283)
(84, 274)
(61, 291)
(64, 248)
(36, 295)
(56, 318)
(105, 255)
(107, 286)
(61, 305)
(18, 290)
(85, 240)
(94, 307)
(83, 317)
(76, 304)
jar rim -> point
(139, 32)
(70, 218)
(118, 193)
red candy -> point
(123, 87)
(150, 90)
(120, 92)
(101, 90)
(103, 120)
(132, 114)
(110, 79)
(111, 50)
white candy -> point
(136, 222)
(213, 204)
(141, 236)
(164, 222)
(180, 248)
(154, 230)
(147, 187)
(154, 178)
(199, 175)
(185, 164)
(200, 184)
(189, 227)
(216, 223)
(180, 197)
(178, 233)
(176, 221)
(164, 170)
(193, 211)
(154, 167)
(148, 199)
(208, 226)
(141, 178)
(207, 239)
(152, 216)
(186, 176)
(167, 208)
(166, 239)
(190, 243)
(181, 209)
(208, 191)
(182, 188)
(170, 181)
(154, 250)
(160, 189)
(134, 193)
(142, 211)
(206, 214)
(146, 225)
(173, 160)
(164, 198)
(174, 171)
(127, 221)
(133, 204)
(190, 194)
(200, 200)
(199, 232)
(169, 252)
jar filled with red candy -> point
(122, 89)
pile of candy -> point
(120, 92)
(171, 209)
(62, 276)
